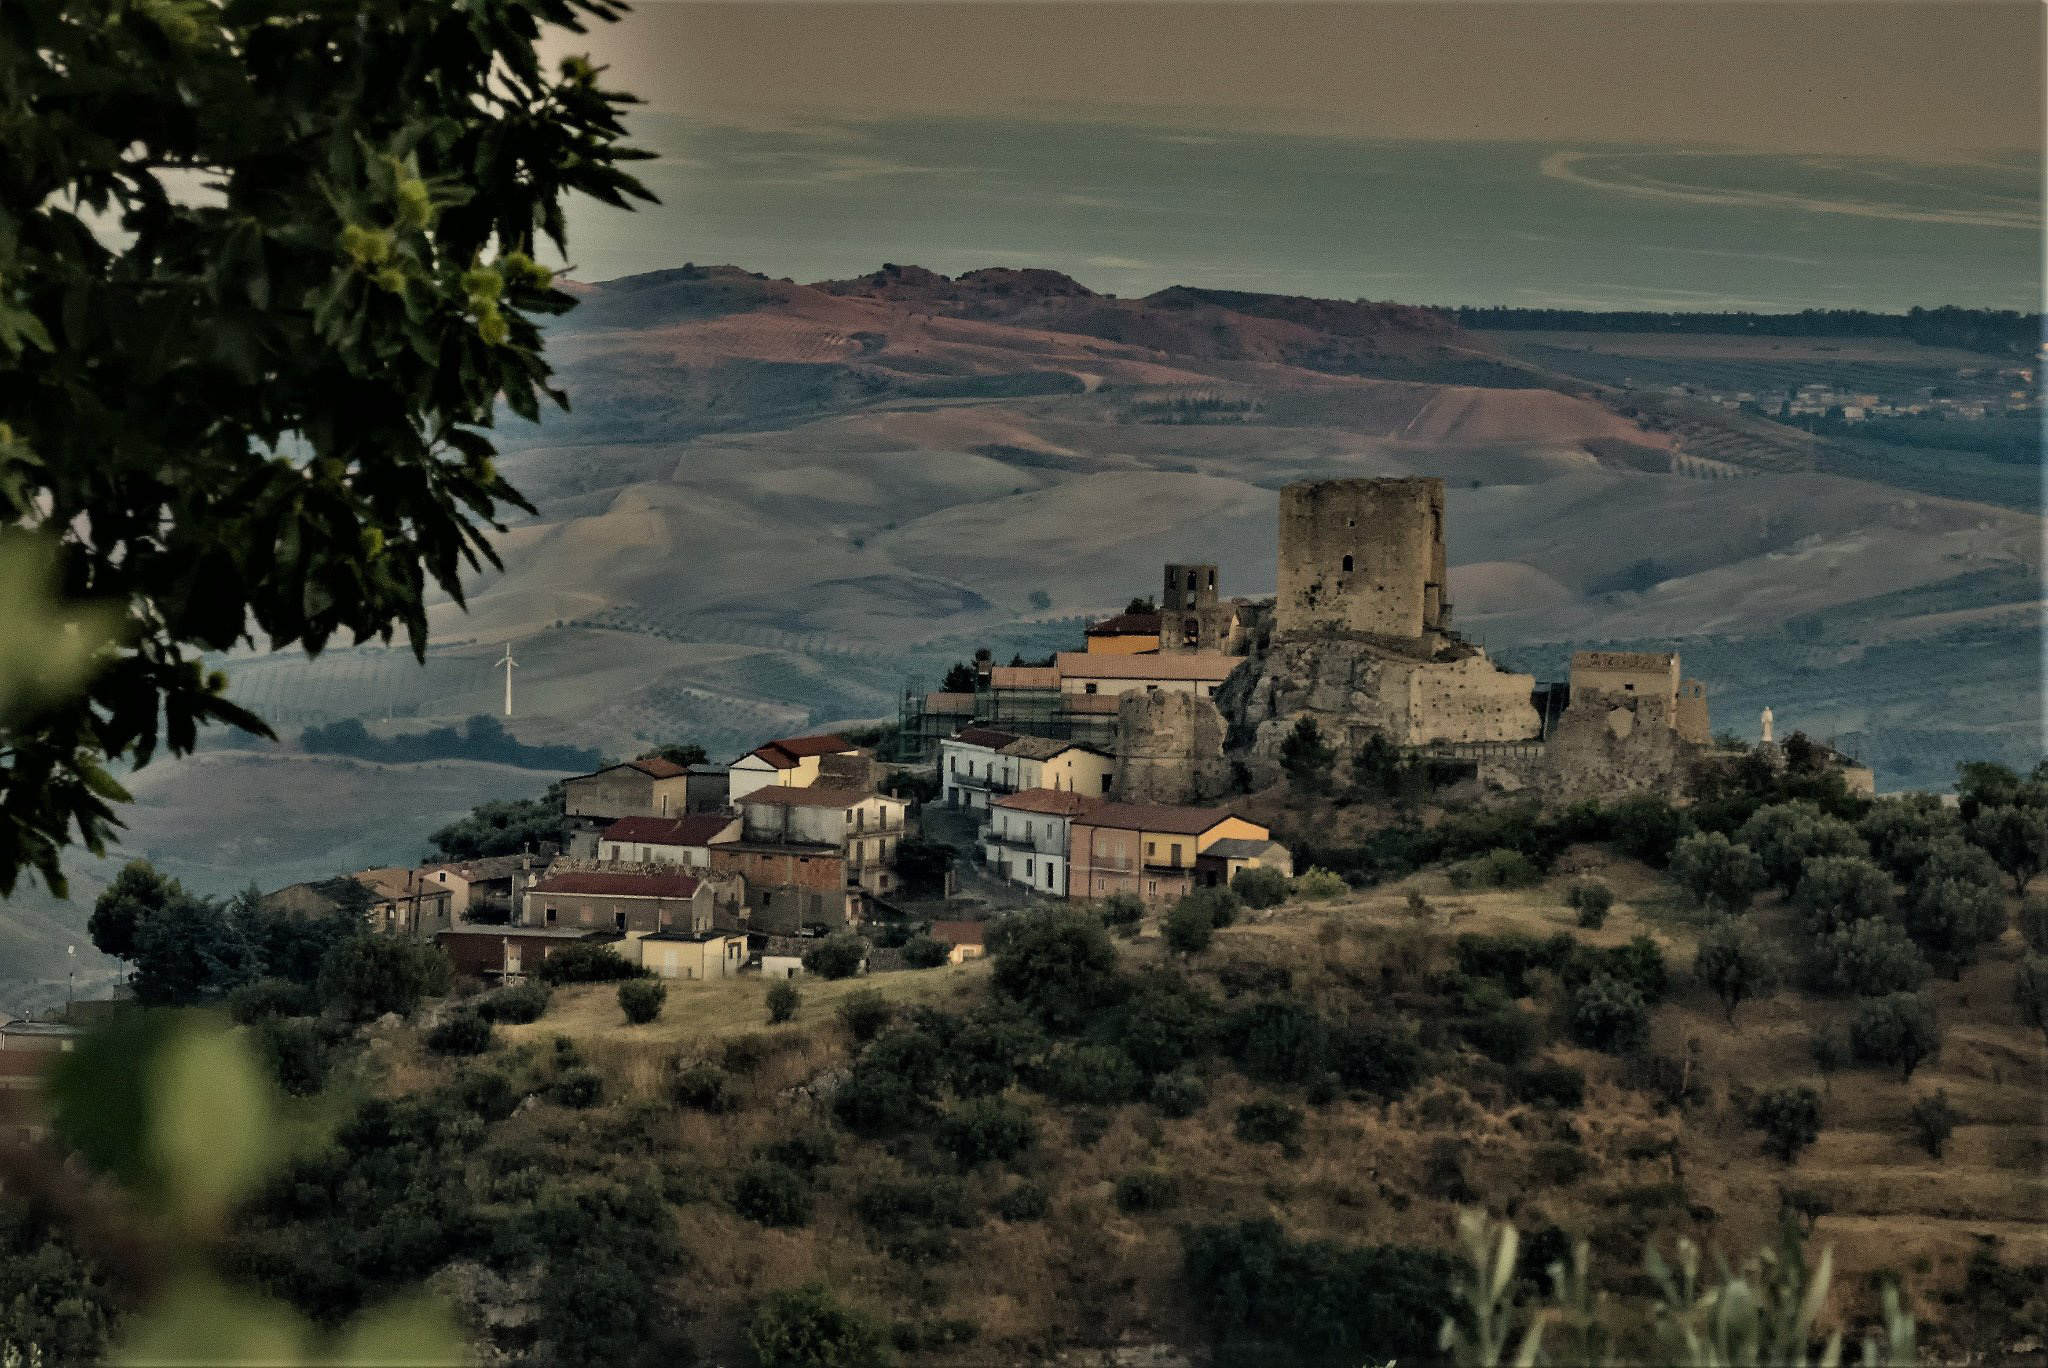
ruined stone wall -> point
(1362, 557)
(1691, 717)
(1608, 747)
(1169, 749)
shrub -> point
(773, 1194)
(836, 957)
(805, 1327)
(1099, 1075)
(1322, 1300)
(1829, 1052)
(1608, 1014)
(641, 1000)
(578, 1088)
(1267, 1122)
(1591, 899)
(806, 1151)
(912, 1216)
(1509, 960)
(1187, 928)
(864, 1014)
(1734, 966)
(1239, 976)
(1506, 1035)
(1785, 836)
(580, 963)
(1502, 868)
(1639, 964)
(515, 1006)
(1320, 885)
(1024, 1202)
(298, 1053)
(1834, 890)
(1865, 959)
(1789, 1119)
(1260, 888)
(1306, 758)
(783, 998)
(1718, 872)
(1178, 1094)
(987, 1129)
(2033, 921)
(264, 998)
(1122, 909)
(704, 1087)
(1556, 1163)
(1934, 1121)
(464, 1033)
(992, 1050)
(489, 1095)
(1898, 1029)
(1058, 964)
(1376, 1055)
(367, 976)
(742, 1054)
(1557, 1085)
(925, 952)
(1222, 904)
(2030, 991)
(1146, 1190)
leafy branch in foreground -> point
(266, 274)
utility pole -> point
(70, 978)
(508, 665)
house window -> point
(1151, 688)
(1088, 688)
(1151, 849)
(1027, 871)
(618, 921)
(1154, 886)
(1176, 855)
(1347, 565)
(1105, 783)
(548, 914)
(1211, 691)
(1191, 580)
(1048, 873)
(956, 764)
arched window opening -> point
(1347, 565)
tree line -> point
(1998, 332)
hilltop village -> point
(1119, 768)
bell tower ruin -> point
(1362, 558)
(1191, 616)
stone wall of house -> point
(1362, 556)
(1169, 749)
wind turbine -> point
(508, 665)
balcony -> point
(981, 783)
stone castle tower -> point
(1191, 616)
(1362, 557)
(1169, 749)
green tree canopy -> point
(266, 275)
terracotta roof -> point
(1051, 802)
(957, 932)
(396, 881)
(658, 767)
(695, 830)
(986, 737)
(950, 704)
(1024, 677)
(480, 869)
(1127, 624)
(812, 795)
(1166, 665)
(607, 883)
(825, 743)
(1177, 820)
(1040, 747)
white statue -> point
(1767, 726)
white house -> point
(685, 841)
(792, 762)
(1032, 762)
(1197, 672)
(971, 766)
(1029, 835)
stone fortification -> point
(1169, 749)
(1362, 557)
(1191, 615)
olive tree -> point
(1734, 965)
(266, 274)
(1718, 872)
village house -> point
(1047, 762)
(1124, 634)
(865, 827)
(790, 887)
(406, 902)
(968, 765)
(1151, 850)
(782, 957)
(793, 762)
(962, 939)
(690, 955)
(624, 901)
(1220, 862)
(24, 1119)
(1196, 672)
(1028, 837)
(506, 953)
(647, 787)
(681, 841)
(484, 889)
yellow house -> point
(1032, 762)
(1124, 634)
(689, 955)
(962, 939)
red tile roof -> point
(1126, 624)
(950, 704)
(658, 768)
(987, 737)
(695, 830)
(1051, 802)
(1024, 677)
(957, 932)
(825, 743)
(1180, 821)
(607, 883)
(811, 795)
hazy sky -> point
(1908, 79)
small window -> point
(1191, 580)
(1347, 565)
(1089, 688)
(1151, 848)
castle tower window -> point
(1347, 565)
(1191, 579)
